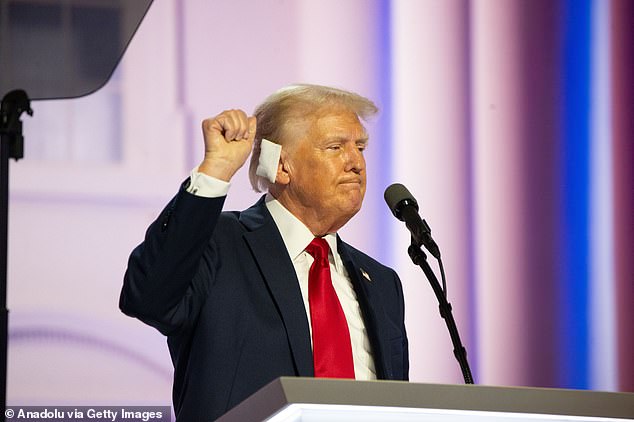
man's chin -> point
(353, 191)
(350, 205)
(354, 206)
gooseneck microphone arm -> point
(405, 208)
(420, 258)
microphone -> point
(404, 207)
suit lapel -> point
(372, 309)
(269, 251)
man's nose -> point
(355, 161)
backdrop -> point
(510, 121)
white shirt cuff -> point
(207, 186)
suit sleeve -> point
(168, 275)
(401, 299)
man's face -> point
(327, 168)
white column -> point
(497, 175)
(430, 156)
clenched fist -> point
(228, 142)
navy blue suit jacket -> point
(222, 288)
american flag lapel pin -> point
(365, 274)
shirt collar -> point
(295, 234)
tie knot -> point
(318, 249)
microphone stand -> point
(420, 258)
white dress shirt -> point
(296, 237)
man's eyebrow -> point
(364, 138)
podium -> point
(310, 400)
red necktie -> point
(332, 352)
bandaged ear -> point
(269, 159)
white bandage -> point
(269, 159)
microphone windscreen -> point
(394, 196)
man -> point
(238, 294)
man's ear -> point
(282, 177)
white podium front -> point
(311, 400)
